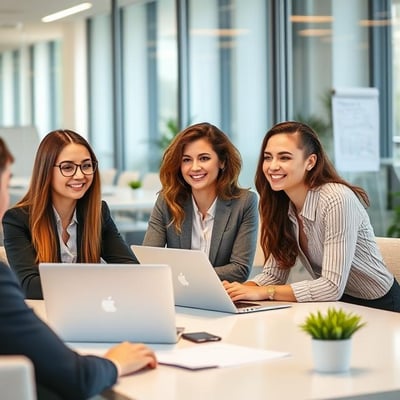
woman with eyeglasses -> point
(62, 217)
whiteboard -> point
(355, 116)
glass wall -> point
(101, 116)
(30, 89)
(228, 72)
(396, 78)
(245, 66)
(332, 50)
(150, 81)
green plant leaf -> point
(336, 324)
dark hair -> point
(174, 188)
(277, 236)
(5, 155)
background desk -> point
(127, 199)
(374, 374)
(117, 198)
(129, 208)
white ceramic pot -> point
(331, 355)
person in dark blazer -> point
(201, 205)
(62, 217)
(59, 371)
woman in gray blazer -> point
(201, 205)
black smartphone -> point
(200, 337)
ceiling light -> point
(219, 32)
(315, 32)
(375, 22)
(311, 18)
(67, 12)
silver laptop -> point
(196, 283)
(109, 302)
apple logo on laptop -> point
(108, 305)
(182, 279)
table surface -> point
(374, 373)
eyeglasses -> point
(68, 168)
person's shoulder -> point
(104, 205)
(337, 192)
(248, 194)
(333, 188)
(244, 198)
(160, 197)
(105, 209)
(16, 212)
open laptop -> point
(196, 283)
(109, 302)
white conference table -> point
(374, 373)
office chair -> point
(17, 378)
(390, 249)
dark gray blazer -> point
(234, 235)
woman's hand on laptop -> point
(244, 291)
(131, 357)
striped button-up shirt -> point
(343, 256)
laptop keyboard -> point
(244, 304)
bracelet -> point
(271, 292)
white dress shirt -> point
(68, 251)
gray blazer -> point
(234, 235)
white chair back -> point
(17, 378)
(107, 176)
(390, 249)
(127, 176)
(151, 181)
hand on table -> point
(131, 357)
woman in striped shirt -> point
(309, 212)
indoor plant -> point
(331, 335)
(135, 184)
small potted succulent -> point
(135, 184)
(331, 335)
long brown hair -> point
(277, 236)
(174, 188)
(39, 202)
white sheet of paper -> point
(213, 355)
